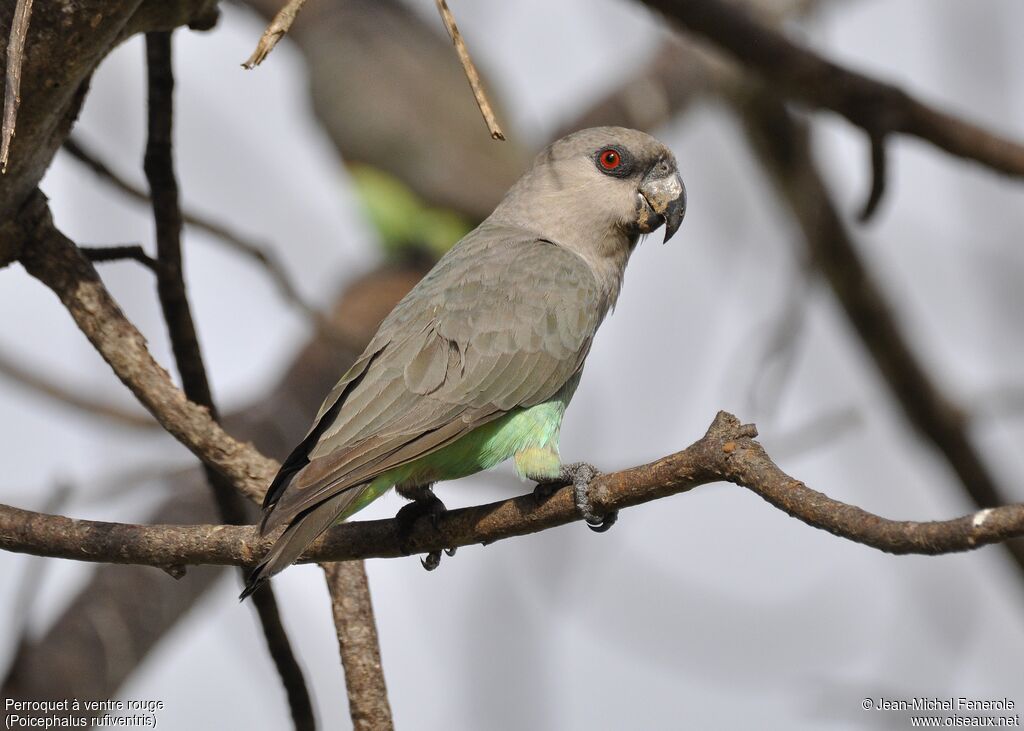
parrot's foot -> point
(433, 559)
(424, 504)
(579, 475)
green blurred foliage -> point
(402, 219)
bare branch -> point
(471, 73)
(360, 650)
(879, 108)
(280, 25)
(57, 262)
(134, 252)
(12, 86)
(263, 256)
(727, 452)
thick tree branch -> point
(728, 452)
(879, 108)
(65, 43)
(56, 261)
(360, 650)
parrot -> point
(478, 362)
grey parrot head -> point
(600, 187)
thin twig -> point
(471, 73)
(262, 255)
(12, 86)
(360, 649)
(275, 31)
(159, 166)
(727, 452)
(133, 252)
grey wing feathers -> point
(502, 321)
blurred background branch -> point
(188, 358)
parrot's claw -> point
(579, 475)
(433, 559)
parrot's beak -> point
(665, 197)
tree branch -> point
(133, 252)
(879, 108)
(274, 32)
(66, 42)
(75, 657)
(728, 452)
(56, 262)
(472, 75)
(360, 650)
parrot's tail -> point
(302, 531)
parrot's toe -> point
(433, 559)
(580, 476)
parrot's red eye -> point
(610, 159)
